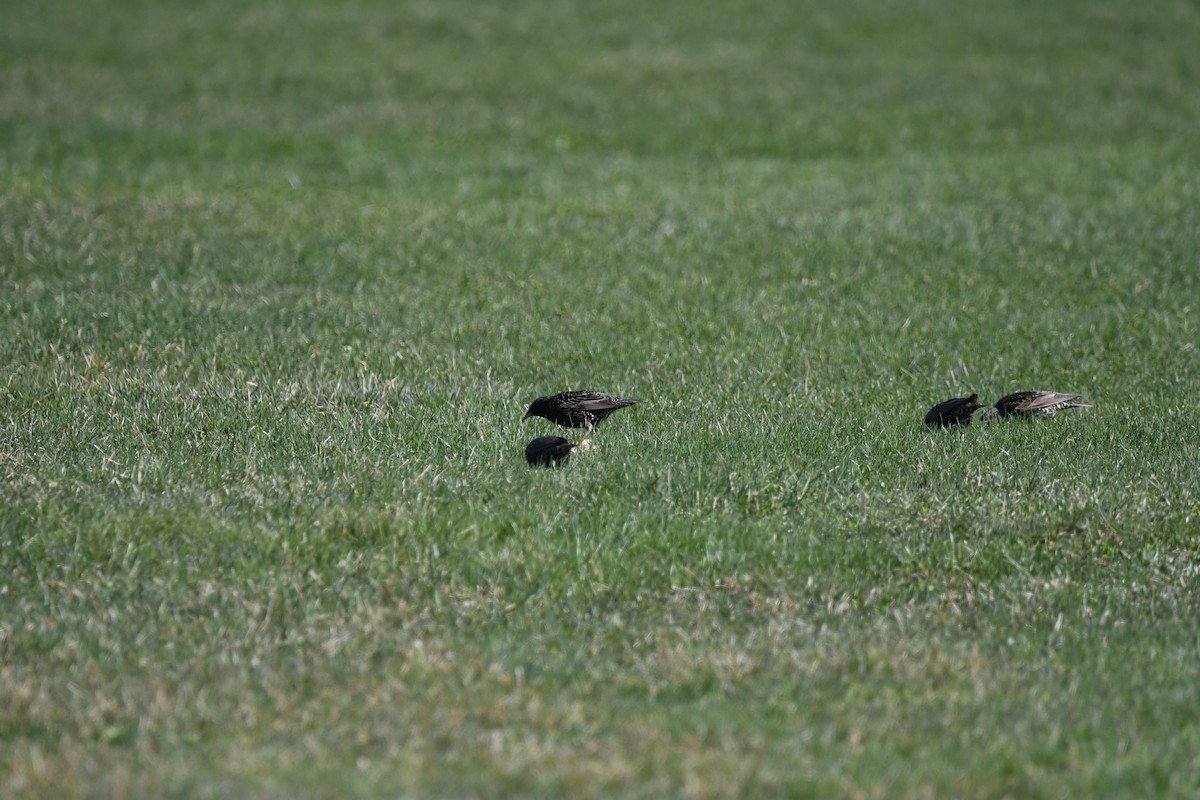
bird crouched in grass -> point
(1033, 404)
(955, 411)
(577, 409)
(549, 451)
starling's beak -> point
(528, 414)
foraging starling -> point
(577, 409)
(548, 451)
(955, 411)
(1032, 404)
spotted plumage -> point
(955, 411)
(548, 451)
(1033, 404)
(577, 409)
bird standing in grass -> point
(577, 409)
(549, 451)
(955, 411)
(1033, 404)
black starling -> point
(577, 409)
(548, 451)
(1032, 404)
(955, 411)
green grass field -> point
(278, 280)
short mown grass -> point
(277, 283)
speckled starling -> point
(577, 409)
(548, 451)
(955, 411)
(1032, 404)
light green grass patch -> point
(277, 283)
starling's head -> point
(537, 408)
(974, 398)
(990, 414)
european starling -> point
(548, 451)
(1032, 404)
(955, 411)
(577, 409)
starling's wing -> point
(1070, 401)
(547, 449)
(548, 444)
(598, 401)
(1012, 403)
(956, 410)
(1049, 401)
(936, 415)
(954, 407)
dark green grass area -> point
(277, 283)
